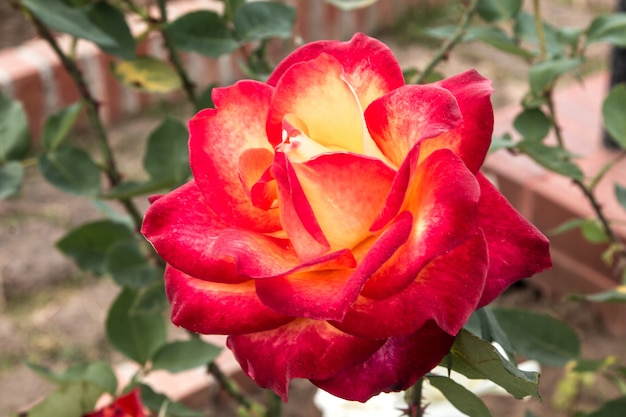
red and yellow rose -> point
(337, 227)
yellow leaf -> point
(147, 74)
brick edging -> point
(32, 74)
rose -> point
(128, 405)
(337, 227)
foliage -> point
(136, 324)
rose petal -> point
(296, 214)
(217, 139)
(316, 99)
(300, 349)
(516, 248)
(215, 308)
(442, 194)
(446, 291)
(395, 366)
(407, 115)
(368, 65)
(471, 139)
(193, 239)
(257, 178)
(328, 294)
(346, 192)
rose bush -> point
(337, 227)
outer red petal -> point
(446, 291)
(128, 405)
(471, 139)
(394, 367)
(215, 308)
(301, 349)
(328, 294)
(346, 193)
(406, 116)
(516, 248)
(316, 99)
(442, 194)
(368, 65)
(193, 239)
(217, 139)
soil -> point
(51, 313)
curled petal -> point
(346, 193)
(218, 137)
(471, 139)
(369, 65)
(328, 294)
(446, 291)
(193, 239)
(217, 308)
(442, 194)
(296, 213)
(317, 100)
(257, 178)
(404, 117)
(516, 248)
(395, 366)
(300, 349)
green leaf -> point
(526, 30)
(167, 152)
(613, 408)
(264, 19)
(70, 400)
(484, 324)
(138, 336)
(501, 142)
(146, 73)
(543, 74)
(111, 21)
(532, 124)
(539, 336)
(204, 32)
(98, 373)
(494, 10)
(183, 355)
(89, 243)
(551, 157)
(608, 28)
(151, 300)
(71, 170)
(592, 231)
(497, 38)
(463, 399)
(129, 266)
(71, 20)
(157, 402)
(594, 365)
(130, 189)
(351, 4)
(567, 226)
(11, 177)
(477, 359)
(620, 195)
(14, 133)
(58, 125)
(613, 114)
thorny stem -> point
(450, 43)
(274, 405)
(587, 191)
(91, 106)
(229, 386)
(414, 399)
(188, 85)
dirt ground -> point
(51, 313)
